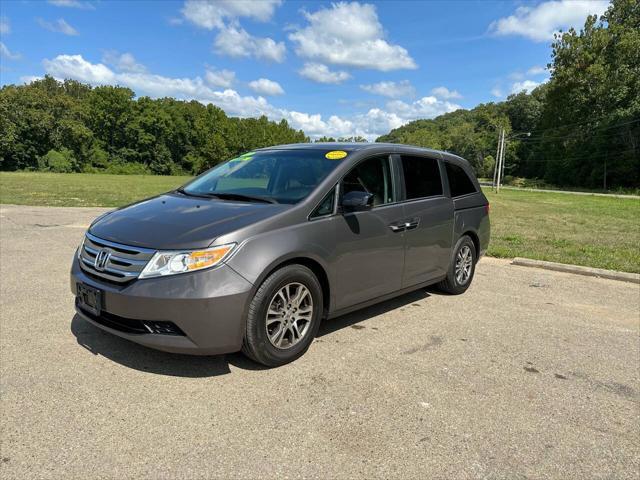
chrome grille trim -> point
(125, 262)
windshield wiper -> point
(240, 196)
(189, 194)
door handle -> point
(412, 223)
(397, 227)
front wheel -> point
(462, 268)
(283, 316)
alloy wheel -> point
(464, 263)
(289, 315)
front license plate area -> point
(89, 298)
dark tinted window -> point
(326, 206)
(371, 176)
(421, 177)
(459, 181)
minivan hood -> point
(173, 221)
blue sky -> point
(329, 68)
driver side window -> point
(373, 175)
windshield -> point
(283, 176)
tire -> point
(285, 281)
(451, 284)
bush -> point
(118, 168)
(515, 181)
(59, 161)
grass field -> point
(594, 231)
(81, 189)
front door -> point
(370, 248)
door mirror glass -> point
(356, 201)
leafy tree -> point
(584, 122)
(69, 126)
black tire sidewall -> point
(256, 336)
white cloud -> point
(536, 70)
(425, 107)
(6, 53)
(264, 86)
(349, 34)
(125, 61)
(30, 78)
(445, 93)
(321, 74)
(539, 23)
(526, 85)
(232, 39)
(59, 26)
(497, 92)
(212, 14)
(5, 26)
(77, 68)
(373, 123)
(72, 4)
(220, 78)
(391, 89)
(236, 42)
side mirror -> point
(357, 201)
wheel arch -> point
(475, 239)
(312, 264)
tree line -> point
(581, 128)
(71, 127)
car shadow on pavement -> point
(138, 357)
(359, 316)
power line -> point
(589, 157)
(601, 128)
(593, 120)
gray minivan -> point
(253, 254)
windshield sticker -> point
(243, 158)
(336, 154)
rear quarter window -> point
(459, 182)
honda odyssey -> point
(253, 254)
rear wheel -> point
(462, 268)
(283, 316)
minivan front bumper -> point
(207, 307)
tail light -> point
(487, 208)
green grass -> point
(81, 189)
(594, 231)
(600, 232)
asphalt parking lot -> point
(530, 374)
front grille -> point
(133, 326)
(124, 262)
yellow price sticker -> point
(336, 154)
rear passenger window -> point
(421, 177)
(459, 181)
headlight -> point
(173, 262)
(79, 250)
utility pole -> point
(500, 160)
(495, 164)
(504, 146)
